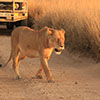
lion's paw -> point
(18, 77)
(37, 77)
(51, 81)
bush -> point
(79, 18)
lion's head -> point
(56, 39)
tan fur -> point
(26, 42)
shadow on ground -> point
(4, 31)
(1, 61)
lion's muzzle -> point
(59, 50)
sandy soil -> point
(76, 78)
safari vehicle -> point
(13, 12)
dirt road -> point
(76, 78)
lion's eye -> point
(58, 40)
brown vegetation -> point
(79, 18)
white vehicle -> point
(13, 12)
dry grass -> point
(79, 18)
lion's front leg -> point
(44, 63)
(39, 73)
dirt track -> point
(77, 78)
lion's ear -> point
(63, 31)
(46, 29)
(51, 31)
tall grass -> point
(79, 18)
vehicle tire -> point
(10, 25)
(21, 23)
(18, 23)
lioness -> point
(27, 42)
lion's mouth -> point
(58, 51)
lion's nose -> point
(62, 47)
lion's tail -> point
(8, 60)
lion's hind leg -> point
(16, 54)
(21, 57)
